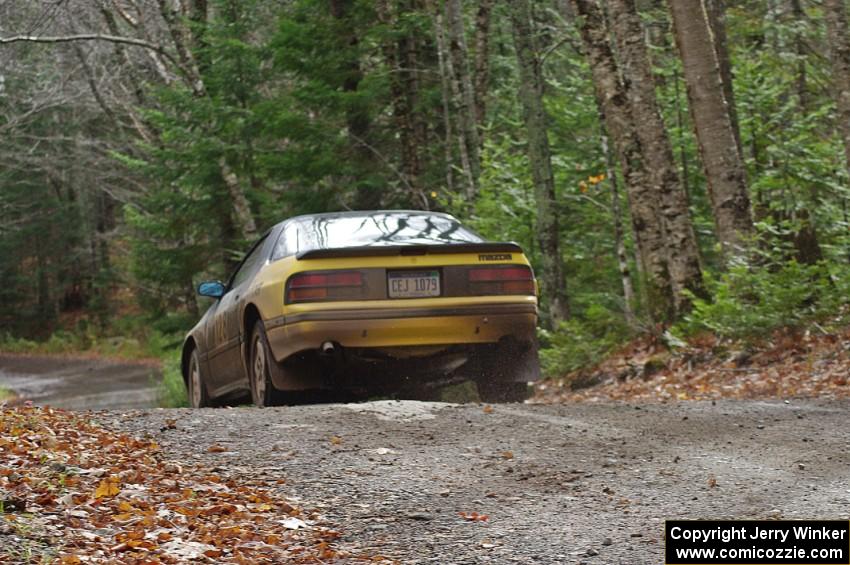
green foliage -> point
(581, 342)
(5, 394)
(505, 208)
(171, 390)
(129, 337)
(750, 301)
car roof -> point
(363, 214)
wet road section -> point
(79, 384)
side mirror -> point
(213, 289)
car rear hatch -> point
(410, 272)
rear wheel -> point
(497, 391)
(259, 368)
(503, 372)
(197, 390)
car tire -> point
(501, 391)
(502, 373)
(196, 389)
(259, 368)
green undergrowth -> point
(171, 390)
(130, 337)
(749, 302)
(582, 341)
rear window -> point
(392, 228)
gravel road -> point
(582, 483)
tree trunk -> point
(802, 86)
(445, 94)
(241, 206)
(358, 122)
(482, 60)
(457, 103)
(839, 54)
(715, 133)
(531, 96)
(465, 98)
(193, 78)
(716, 15)
(614, 106)
(402, 111)
(682, 251)
(180, 37)
(619, 240)
(409, 48)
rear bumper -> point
(396, 327)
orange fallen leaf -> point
(488, 409)
(107, 488)
(215, 448)
(336, 440)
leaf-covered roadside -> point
(790, 364)
(74, 492)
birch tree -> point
(682, 252)
(613, 100)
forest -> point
(670, 168)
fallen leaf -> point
(474, 516)
(292, 523)
(215, 448)
(107, 488)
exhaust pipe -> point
(328, 348)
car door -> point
(226, 370)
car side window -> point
(248, 264)
(287, 242)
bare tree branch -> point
(89, 37)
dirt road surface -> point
(79, 384)
(578, 483)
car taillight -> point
(330, 285)
(513, 279)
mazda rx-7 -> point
(369, 303)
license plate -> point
(413, 284)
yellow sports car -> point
(368, 303)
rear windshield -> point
(391, 228)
